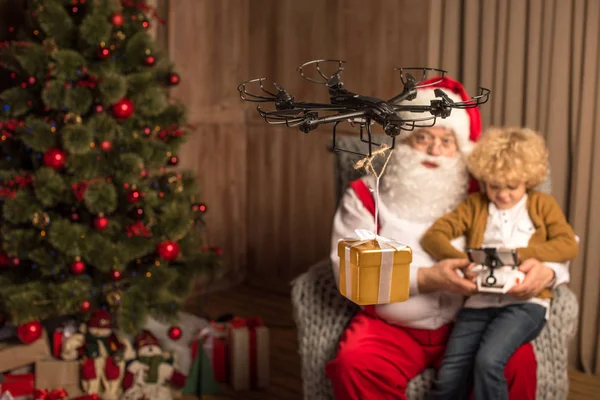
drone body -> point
(354, 108)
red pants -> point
(376, 361)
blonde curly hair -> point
(510, 155)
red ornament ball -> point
(123, 109)
(103, 53)
(175, 333)
(150, 60)
(168, 250)
(115, 275)
(78, 267)
(106, 145)
(55, 158)
(173, 79)
(29, 332)
(117, 19)
(100, 223)
(146, 24)
(85, 306)
(199, 207)
(134, 196)
(173, 160)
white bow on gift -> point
(388, 247)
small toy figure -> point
(103, 355)
(150, 374)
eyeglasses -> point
(426, 139)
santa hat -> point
(145, 338)
(466, 123)
(100, 319)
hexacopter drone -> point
(354, 108)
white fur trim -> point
(458, 120)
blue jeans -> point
(481, 342)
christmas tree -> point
(94, 212)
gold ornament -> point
(120, 35)
(40, 220)
(175, 183)
(113, 298)
(72, 118)
(50, 46)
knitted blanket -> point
(321, 314)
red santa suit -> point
(385, 346)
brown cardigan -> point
(552, 241)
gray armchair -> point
(321, 314)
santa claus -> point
(385, 346)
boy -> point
(509, 163)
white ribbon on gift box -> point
(388, 247)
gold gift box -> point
(365, 271)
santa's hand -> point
(471, 271)
(537, 278)
(443, 277)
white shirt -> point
(421, 310)
(510, 228)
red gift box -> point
(18, 385)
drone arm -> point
(402, 96)
(339, 117)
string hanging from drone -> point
(355, 108)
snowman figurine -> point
(152, 373)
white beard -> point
(417, 193)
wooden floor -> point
(276, 312)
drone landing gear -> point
(369, 140)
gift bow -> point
(388, 247)
(253, 322)
(43, 394)
(88, 397)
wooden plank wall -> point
(270, 191)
